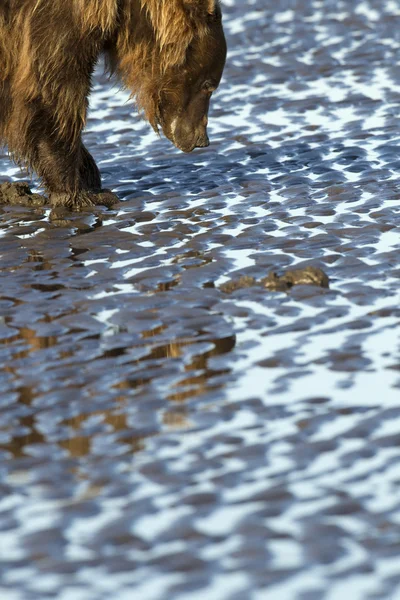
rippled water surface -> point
(162, 439)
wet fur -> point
(48, 51)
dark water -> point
(160, 439)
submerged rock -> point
(280, 283)
(20, 194)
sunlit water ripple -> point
(160, 439)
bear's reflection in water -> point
(76, 433)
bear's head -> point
(171, 54)
(186, 89)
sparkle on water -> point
(161, 439)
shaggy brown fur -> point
(169, 53)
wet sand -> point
(161, 438)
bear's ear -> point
(209, 5)
(176, 23)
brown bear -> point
(169, 53)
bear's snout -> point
(203, 141)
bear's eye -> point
(208, 87)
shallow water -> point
(161, 439)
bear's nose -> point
(203, 141)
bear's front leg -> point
(70, 175)
(90, 179)
(89, 174)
